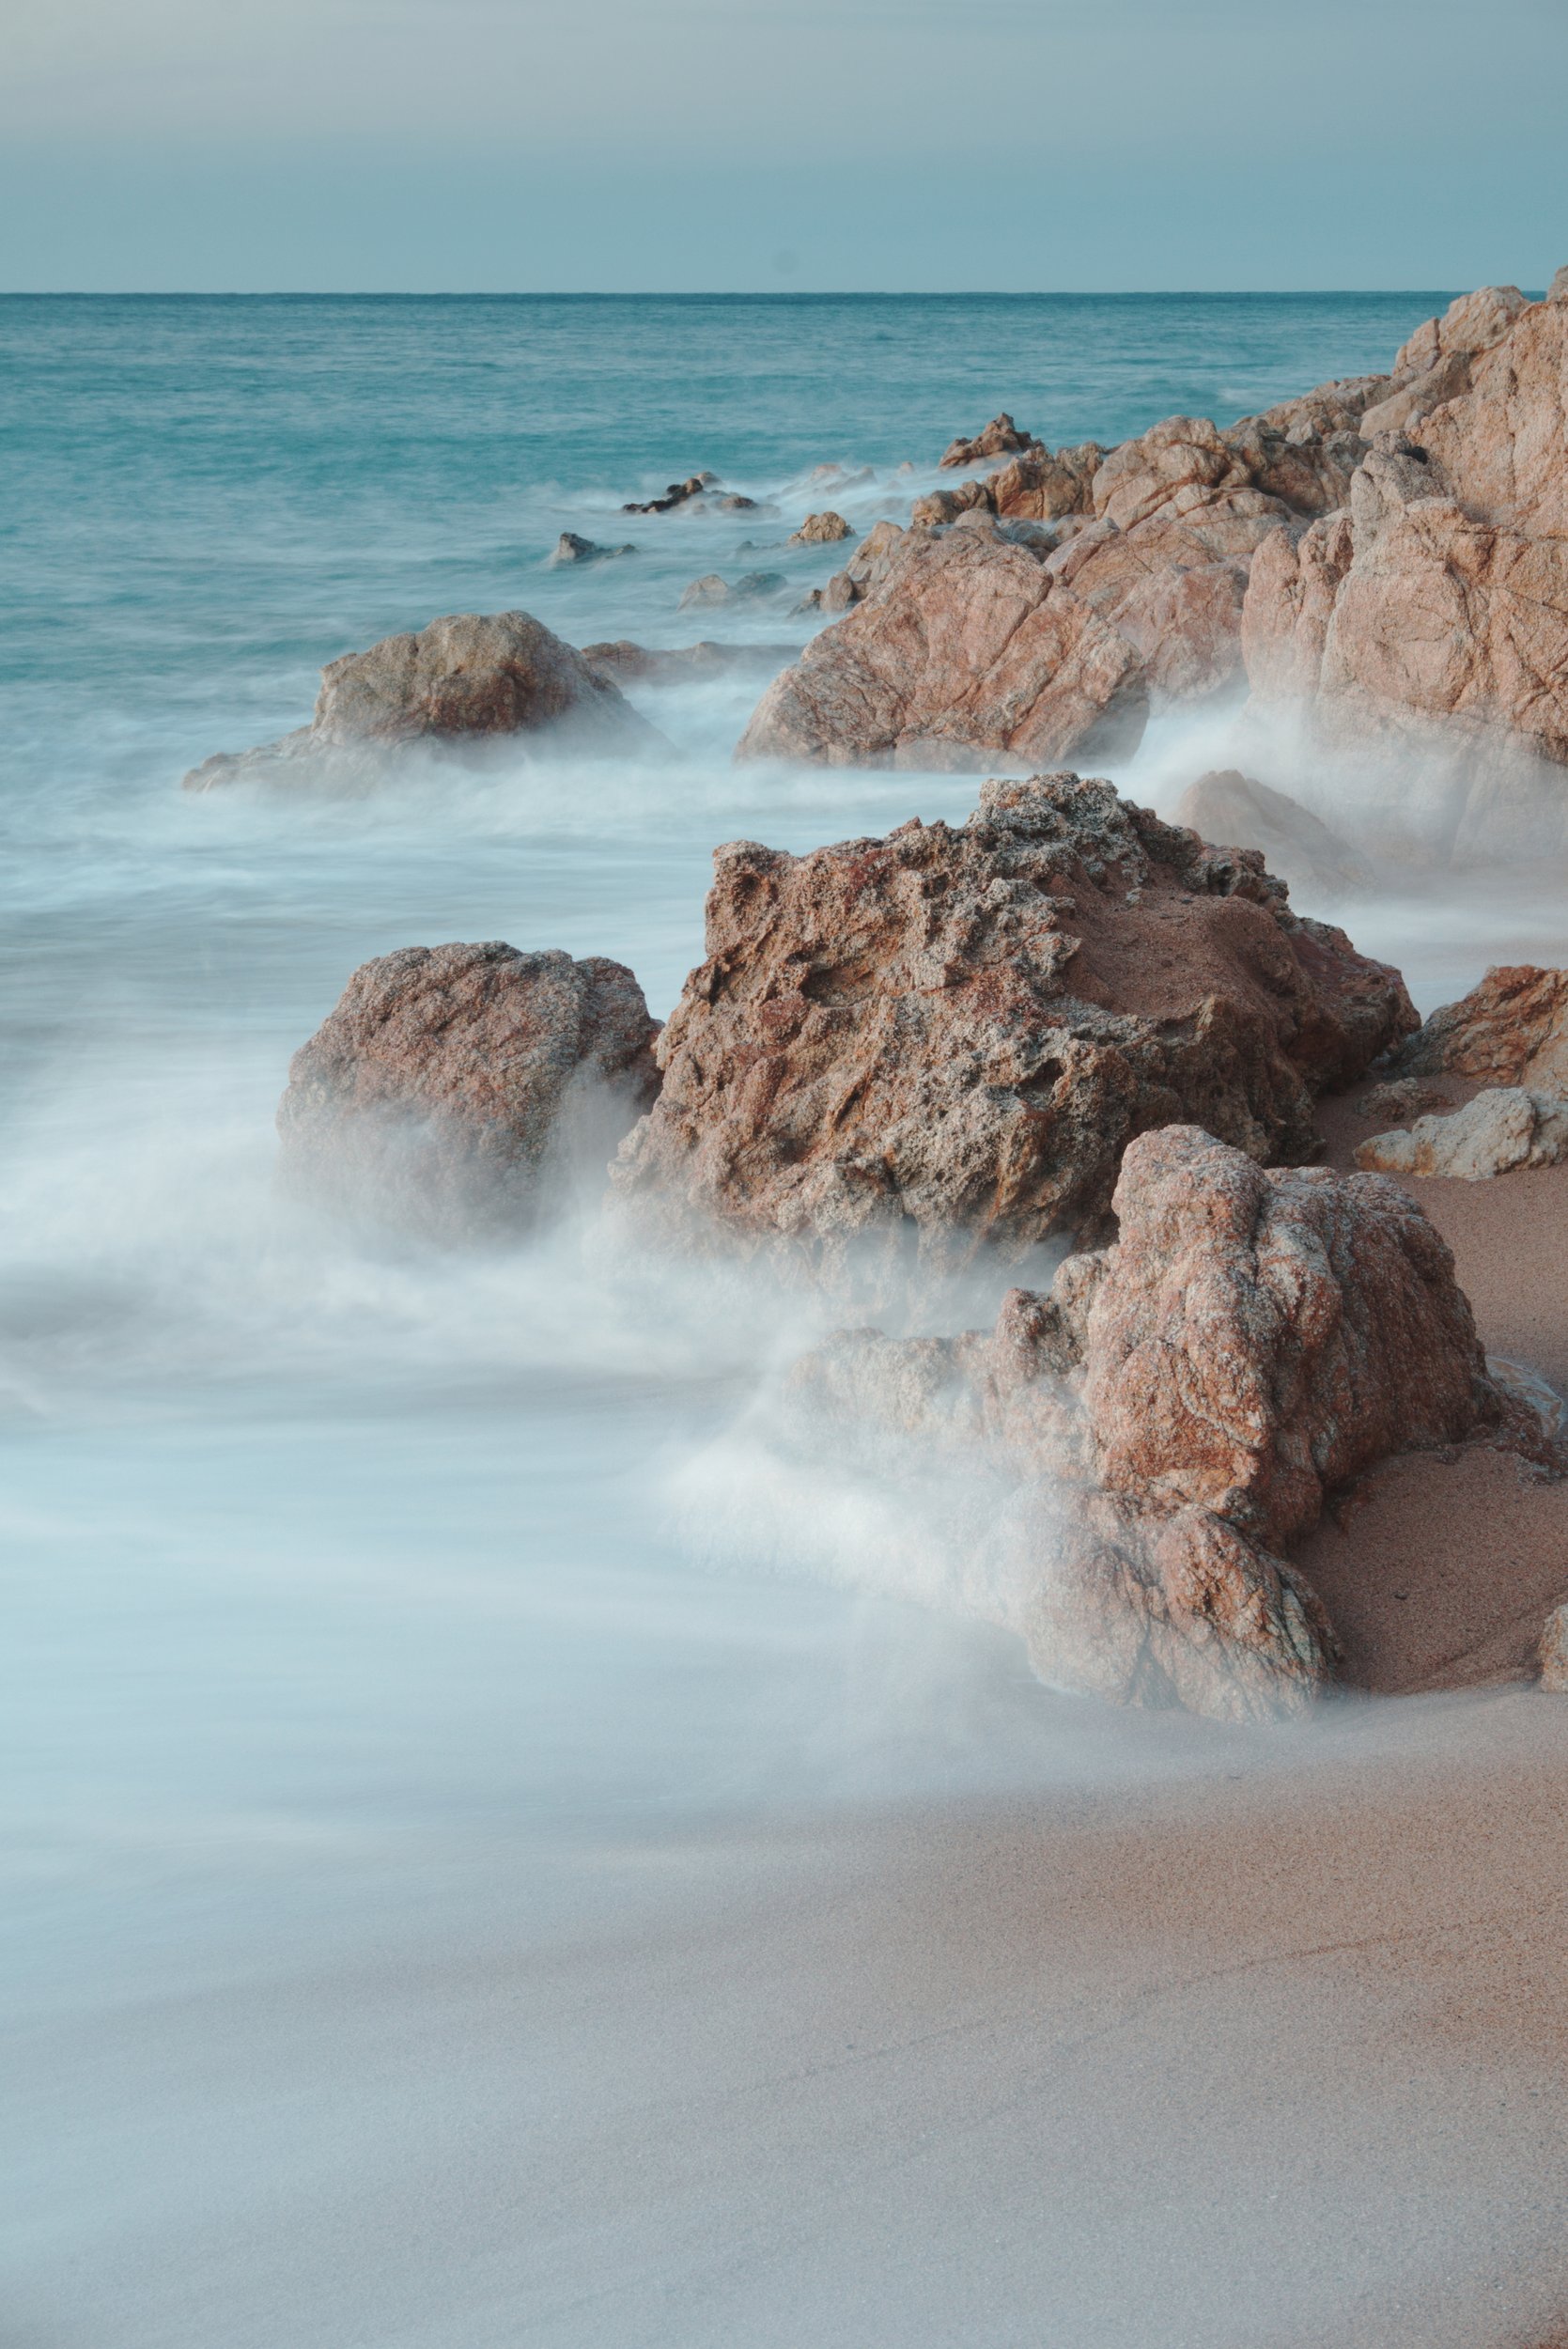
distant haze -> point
(479, 145)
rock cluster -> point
(452, 1087)
(948, 1037)
(1180, 1406)
(465, 678)
(1382, 562)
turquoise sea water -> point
(381, 1622)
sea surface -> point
(387, 1630)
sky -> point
(473, 145)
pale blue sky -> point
(472, 144)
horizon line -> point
(755, 293)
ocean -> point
(427, 1715)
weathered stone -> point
(952, 1034)
(996, 439)
(1503, 1126)
(750, 588)
(640, 664)
(1554, 1652)
(678, 493)
(820, 530)
(1399, 1100)
(1512, 1029)
(1233, 810)
(572, 547)
(966, 647)
(452, 1087)
(460, 680)
(941, 506)
(1039, 487)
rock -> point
(1230, 808)
(678, 493)
(569, 547)
(821, 530)
(866, 568)
(949, 1036)
(1504, 1126)
(462, 680)
(1430, 617)
(1177, 1410)
(452, 1087)
(748, 588)
(1510, 1030)
(941, 506)
(637, 664)
(1554, 1638)
(965, 647)
(996, 439)
(1179, 465)
(1401, 1099)
(734, 504)
(1038, 487)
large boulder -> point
(951, 1036)
(462, 681)
(456, 1089)
(1510, 1030)
(1427, 619)
(1235, 810)
(1177, 1410)
(966, 647)
(1503, 1126)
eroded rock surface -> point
(821, 530)
(1510, 1030)
(1503, 1126)
(1177, 1410)
(995, 439)
(463, 679)
(950, 1035)
(452, 1088)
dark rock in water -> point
(750, 588)
(678, 493)
(463, 679)
(570, 548)
(453, 1090)
(948, 1037)
(637, 664)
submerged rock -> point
(1503, 1126)
(453, 1089)
(821, 530)
(949, 1036)
(641, 664)
(750, 588)
(463, 679)
(571, 548)
(678, 493)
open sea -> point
(422, 1707)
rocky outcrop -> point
(1429, 615)
(697, 485)
(751, 587)
(865, 570)
(821, 530)
(1042, 488)
(966, 649)
(572, 547)
(996, 439)
(949, 1036)
(462, 680)
(1232, 808)
(640, 664)
(1510, 1030)
(1503, 1126)
(1177, 1412)
(452, 1088)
